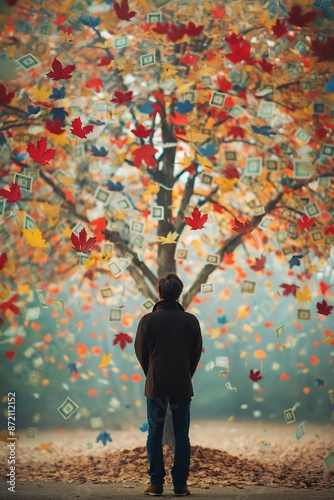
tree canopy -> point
(150, 136)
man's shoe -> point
(154, 491)
(181, 491)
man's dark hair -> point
(170, 286)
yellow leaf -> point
(60, 139)
(53, 222)
(186, 161)
(105, 361)
(183, 86)
(195, 136)
(90, 261)
(214, 333)
(67, 232)
(23, 289)
(42, 94)
(51, 210)
(304, 294)
(44, 446)
(34, 238)
(170, 238)
(152, 189)
(66, 180)
(196, 243)
(168, 71)
(204, 161)
(4, 292)
(225, 184)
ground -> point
(240, 460)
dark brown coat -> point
(168, 346)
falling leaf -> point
(81, 243)
(170, 238)
(197, 220)
(34, 238)
(122, 339)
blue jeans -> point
(156, 414)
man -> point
(168, 346)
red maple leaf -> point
(289, 289)
(121, 97)
(96, 83)
(59, 72)
(14, 193)
(240, 49)
(324, 308)
(231, 173)
(123, 11)
(280, 28)
(323, 50)
(243, 228)
(99, 227)
(80, 131)
(55, 127)
(189, 59)
(10, 354)
(193, 30)
(259, 263)
(105, 61)
(10, 306)
(161, 28)
(144, 154)
(81, 244)
(323, 287)
(297, 18)
(224, 84)
(197, 220)
(266, 66)
(255, 375)
(141, 131)
(4, 97)
(122, 339)
(219, 12)
(176, 33)
(3, 260)
(236, 132)
(304, 222)
(329, 230)
(39, 153)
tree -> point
(223, 109)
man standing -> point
(168, 346)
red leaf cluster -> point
(240, 49)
